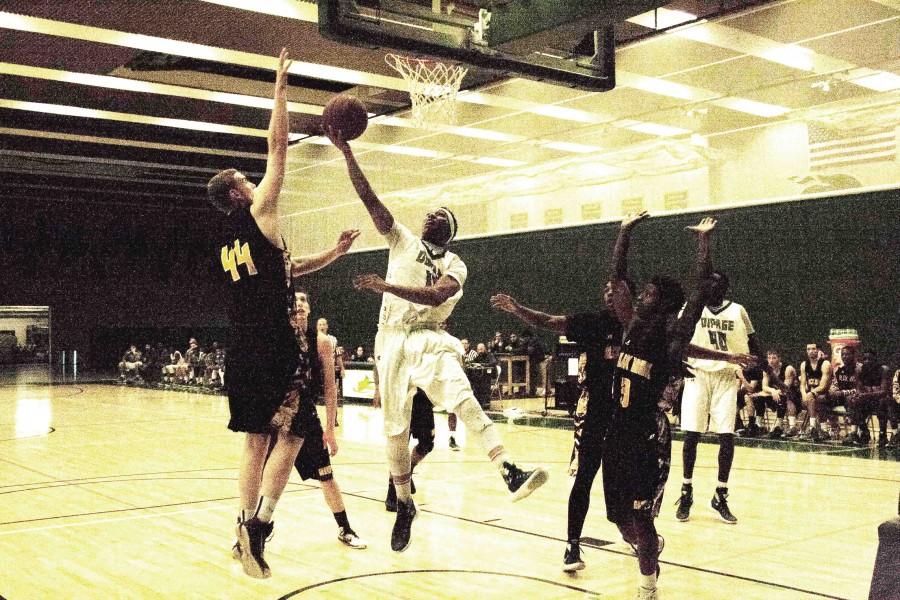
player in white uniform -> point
(711, 395)
(423, 284)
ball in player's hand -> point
(347, 115)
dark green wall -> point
(800, 268)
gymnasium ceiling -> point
(140, 102)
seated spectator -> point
(534, 349)
(181, 369)
(131, 364)
(498, 344)
(359, 355)
(469, 353)
(193, 356)
(781, 393)
(150, 370)
(748, 397)
(874, 396)
(514, 345)
(483, 357)
(211, 367)
(815, 380)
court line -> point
(414, 571)
(620, 552)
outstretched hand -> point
(631, 220)
(705, 225)
(370, 282)
(504, 302)
(337, 138)
(346, 239)
(284, 64)
(745, 361)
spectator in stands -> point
(748, 398)
(842, 392)
(194, 358)
(359, 355)
(182, 368)
(514, 345)
(815, 380)
(483, 357)
(211, 367)
(534, 349)
(498, 344)
(151, 368)
(131, 364)
(469, 353)
(874, 396)
(781, 394)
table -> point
(506, 361)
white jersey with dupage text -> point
(412, 263)
(727, 329)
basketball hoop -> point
(433, 87)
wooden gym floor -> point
(122, 492)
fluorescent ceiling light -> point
(652, 128)
(794, 56)
(497, 162)
(291, 9)
(191, 50)
(662, 18)
(570, 147)
(90, 113)
(880, 81)
(752, 107)
(149, 87)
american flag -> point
(831, 148)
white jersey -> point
(412, 263)
(727, 329)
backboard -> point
(569, 42)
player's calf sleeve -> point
(726, 456)
(399, 462)
(689, 453)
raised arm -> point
(313, 262)
(682, 330)
(618, 269)
(381, 216)
(433, 295)
(265, 196)
(533, 317)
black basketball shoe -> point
(522, 483)
(684, 502)
(719, 503)
(252, 536)
(390, 502)
(406, 514)
(572, 558)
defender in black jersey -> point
(638, 444)
(256, 270)
(598, 335)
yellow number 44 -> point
(239, 255)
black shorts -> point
(313, 461)
(591, 425)
(421, 425)
(636, 463)
(260, 363)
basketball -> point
(346, 114)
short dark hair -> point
(723, 277)
(671, 294)
(218, 190)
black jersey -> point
(813, 375)
(307, 377)
(642, 370)
(598, 336)
(845, 377)
(870, 376)
(256, 273)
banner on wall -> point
(358, 383)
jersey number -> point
(718, 340)
(238, 255)
(625, 396)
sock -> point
(342, 521)
(722, 485)
(266, 508)
(759, 421)
(687, 481)
(792, 422)
(854, 429)
(499, 457)
(401, 484)
(246, 514)
(779, 423)
(812, 422)
(648, 582)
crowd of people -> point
(157, 364)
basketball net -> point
(433, 87)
